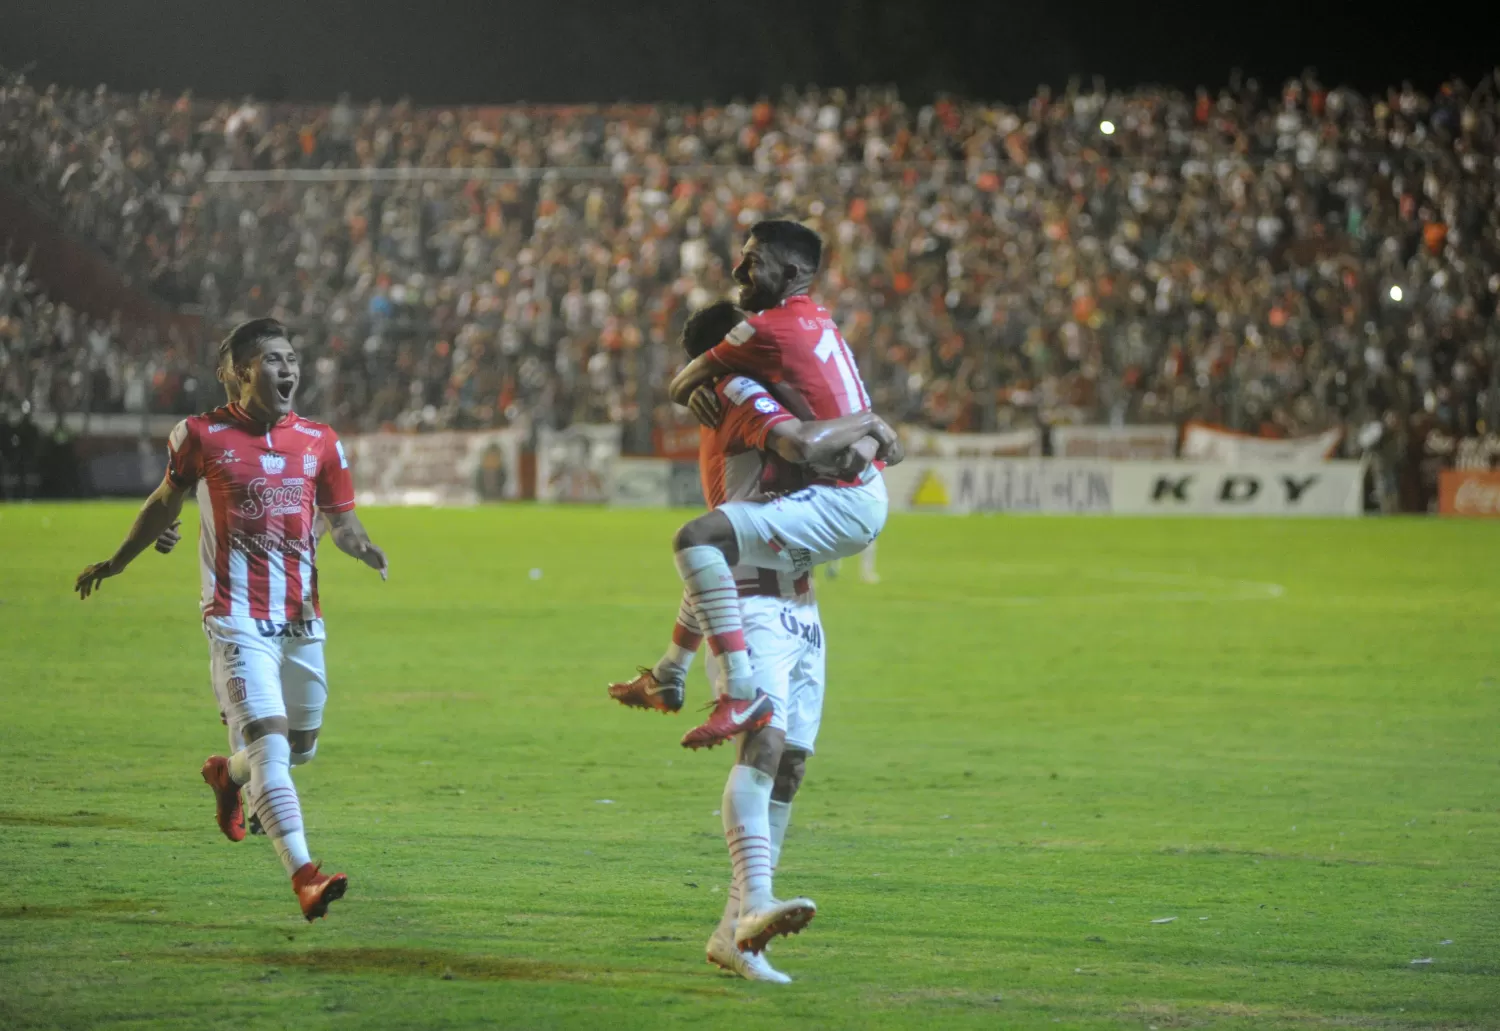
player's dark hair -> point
(240, 345)
(707, 326)
(791, 238)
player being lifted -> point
(792, 341)
(262, 475)
(757, 449)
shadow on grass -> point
(451, 965)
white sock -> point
(731, 908)
(780, 814)
(710, 586)
(239, 766)
(686, 637)
(276, 799)
(747, 832)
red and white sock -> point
(686, 637)
(747, 832)
(709, 584)
(275, 799)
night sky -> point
(450, 51)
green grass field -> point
(1042, 736)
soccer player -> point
(262, 475)
(759, 446)
(792, 342)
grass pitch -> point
(1043, 740)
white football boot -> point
(757, 925)
(752, 967)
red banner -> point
(1469, 492)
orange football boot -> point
(316, 890)
(646, 692)
(227, 808)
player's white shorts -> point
(809, 527)
(785, 638)
(262, 668)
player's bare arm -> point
(700, 372)
(819, 443)
(159, 513)
(349, 536)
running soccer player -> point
(758, 446)
(262, 475)
(794, 342)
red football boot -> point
(227, 808)
(316, 890)
(730, 716)
(646, 692)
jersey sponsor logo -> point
(272, 463)
(767, 406)
(309, 465)
(263, 499)
(218, 427)
(269, 543)
(226, 457)
(236, 688)
(295, 628)
(339, 447)
(740, 334)
(308, 430)
(812, 633)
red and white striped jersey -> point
(734, 465)
(259, 494)
(798, 343)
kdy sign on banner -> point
(1259, 488)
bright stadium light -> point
(1107, 127)
(1396, 294)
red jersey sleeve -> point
(750, 348)
(184, 455)
(335, 482)
(749, 411)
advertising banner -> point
(1469, 492)
(1142, 443)
(959, 485)
(436, 468)
(1204, 443)
(574, 464)
(1251, 488)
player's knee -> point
(689, 535)
(761, 749)
(789, 774)
(304, 745)
(257, 729)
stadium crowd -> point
(1276, 261)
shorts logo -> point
(272, 463)
(236, 688)
(309, 465)
(812, 633)
(801, 557)
(766, 406)
(296, 628)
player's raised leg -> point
(663, 687)
(706, 550)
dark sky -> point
(566, 50)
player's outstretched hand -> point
(371, 555)
(169, 538)
(89, 580)
(705, 406)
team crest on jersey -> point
(272, 463)
(309, 465)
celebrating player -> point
(262, 475)
(759, 447)
(793, 342)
